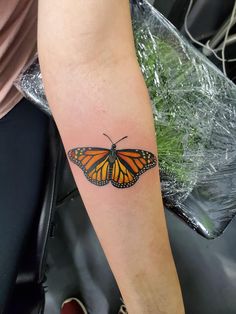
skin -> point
(94, 85)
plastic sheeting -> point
(194, 108)
(30, 84)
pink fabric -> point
(18, 35)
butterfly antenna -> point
(108, 137)
(121, 139)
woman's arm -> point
(94, 86)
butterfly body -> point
(112, 156)
(120, 167)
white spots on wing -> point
(98, 183)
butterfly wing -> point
(129, 165)
(94, 163)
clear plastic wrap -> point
(194, 108)
(30, 84)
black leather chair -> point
(28, 296)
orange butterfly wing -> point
(129, 165)
(94, 163)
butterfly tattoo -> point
(121, 167)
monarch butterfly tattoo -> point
(122, 167)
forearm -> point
(107, 94)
